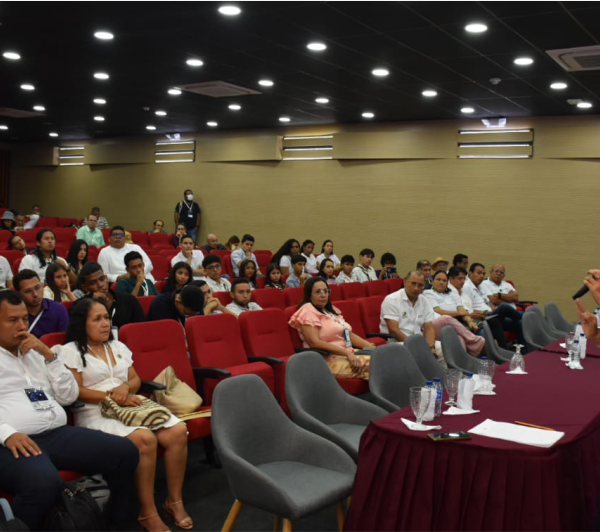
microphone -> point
(581, 292)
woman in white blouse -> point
(327, 253)
(44, 255)
(307, 249)
(103, 367)
(283, 256)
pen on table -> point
(531, 425)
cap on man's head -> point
(439, 259)
(7, 215)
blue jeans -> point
(192, 233)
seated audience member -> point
(103, 367)
(233, 243)
(78, 255)
(388, 267)
(123, 308)
(461, 261)
(102, 221)
(364, 271)
(322, 326)
(7, 222)
(274, 277)
(243, 253)
(136, 284)
(407, 312)
(158, 226)
(90, 232)
(297, 277)
(212, 305)
(425, 267)
(16, 243)
(6, 274)
(44, 255)
(346, 274)
(327, 253)
(326, 271)
(34, 217)
(241, 292)
(57, 283)
(179, 232)
(111, 258)
(212, 244)
(440, 265)
(180, 275)
(36, 442)
(449, 306)
(248, 271)
(19, 222)
(497, 290)
(212, 269)
(178, 305)
(283, 256)
(45, 316)
(307, 249)
(193, 257)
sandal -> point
(141, 521)
(186, 523)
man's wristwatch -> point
(46, 361)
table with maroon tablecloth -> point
(591, 350)
(405, 481)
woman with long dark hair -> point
(45, 255)
(326, 269)
(78, 255)
(57, 283)
(283, 256)
(327, 253)
(248, 270)
(181, 275)
(307, 249)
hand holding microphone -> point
(591, 283)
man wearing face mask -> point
(187, 212)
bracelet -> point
(52, 359)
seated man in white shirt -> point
(193, 257)
(244, 252)
(212, 269)
(241, 294)
(346, 274)
(497, 290)
(112, 258)
(364, 271)
(36, 440)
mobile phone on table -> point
(449, 436)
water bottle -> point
(582, 345)
(438, 399)
(431, 393)
(575, 353)
(578, 330)
(597, 314)
(517, 362)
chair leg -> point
(287, 525)
(277, 523)
(339, 511)
(232, 516)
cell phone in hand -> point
(449, 436)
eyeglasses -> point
(36, 288)
(118, 235)
(322, 291)
(499, 272)
(213, 267)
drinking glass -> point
(419, 402)
(451, 379)
(569, 342)
(486, 374)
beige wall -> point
(537, 216)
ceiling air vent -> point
(217, 89)
(18, 113)
(577, 59)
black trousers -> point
(35, 481)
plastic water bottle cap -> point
(469, 374)
(576, 341)
(581, 334)
(429, 383)
(437, 379)
(483, 358)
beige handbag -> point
(148, 414)
(178, 397)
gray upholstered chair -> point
(454, 353)
(549, 329)
(318, 403)
(555, 318)
(393, 371)
(492, 349)
(270, 462)
(534, 331)
(419, 349)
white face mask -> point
(190, 197)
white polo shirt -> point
(463, 297)
(343, 278)
(474, 294)
(5, 272)
(196, 262)
(363, 274)
(488, 287)
(449, 301)
(222, 286)
(410, 318)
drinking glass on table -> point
(486, 374)
(451, 379)
(419, 402)
(569, 342)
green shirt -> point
(128, 284)
(92, 238)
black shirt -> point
(163, 308)
(188, 214)
(126, 309)
(208, 249)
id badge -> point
(190, 215)
(346, 334)
(115, 332)
(38, 398)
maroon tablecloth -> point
(591, 350)
(405, 481)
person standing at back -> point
(188, 213)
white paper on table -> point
(563, 345)
(516, 372)
(410, 424)
(517, 433)
(479, 381)
(453, 411)
(481, 392)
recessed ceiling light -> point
(429, 93)
(53, 134)
(284, 119)
(235, 107)
(174, 92)
(195, 62)
(39, 108)
(476, 27)
(230, 11)
(523, 61)
(2, 126)
(99, 118)
(99, 101)
(559, 85)
(266, 83)
(467, 110)
(368, 114)
(322, 100)
(316, 46)
(13, 56)
(104, 35)
(150, 128)
(584, 105)
(160, 113)
(101, 75)
(212, 124)
(381, 72)
(27, 87)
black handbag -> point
(8, 521)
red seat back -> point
(294, 335)
(48, 221)
(263, 257)
(160, 286)
(159, 238)
(139, 237)
(394, 284)
(353, 290)
(52, 339)
(293, 296)
(261, 282)
(5, 235)
(68, 305)
(336, 293)
(223, 297)
(377, 288)
(265, 333)
(145, 302)
(351, 314)
(93, 253)
(161, 267)
(268, 298)
(370, 312)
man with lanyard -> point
(45, 316)
(407, 312)
(36, 440)
(364, 271)
(187, 212)
(136, 284)
(179, 305)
